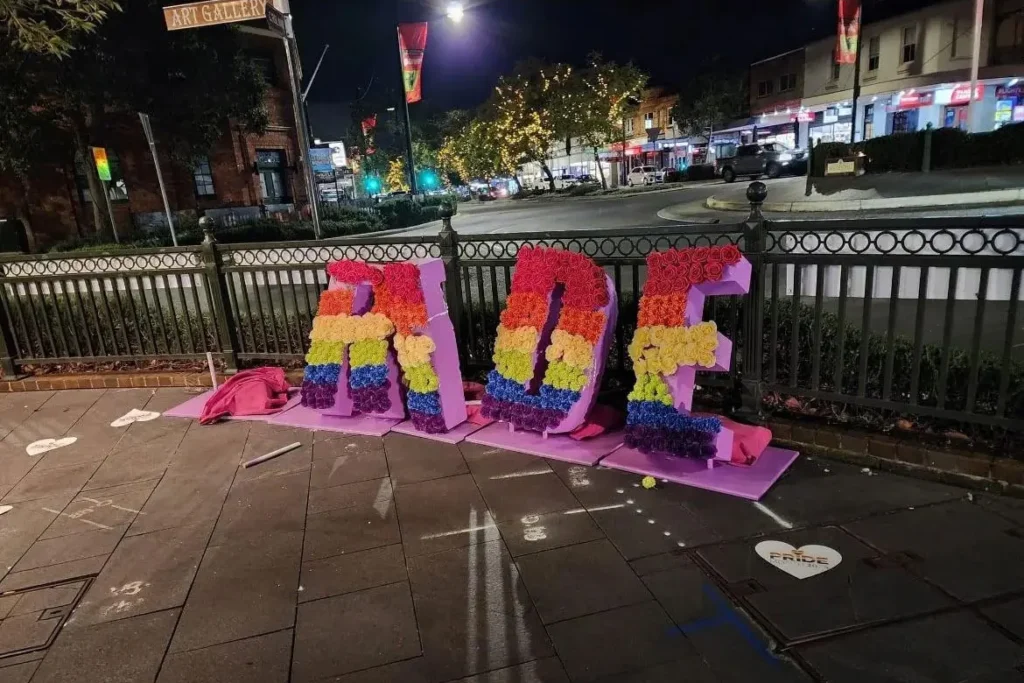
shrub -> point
(700, 172)
(584, 189)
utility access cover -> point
(31, 618)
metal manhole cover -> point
(31, 618)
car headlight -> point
(785, 157)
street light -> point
(455, 11)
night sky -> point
(670, 39)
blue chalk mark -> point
(726, 615)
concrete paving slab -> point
(953, 545)
(104, 650)
(595, 646)
(95, 509)
(53, 573)
(52, 483)
(442, 514)
(257, 507)
(264, 659)
(537, 533)
(16, 408)
(148, 573)
(1009, 615)
(474, 611)
(939, 649)
(134, 464)
(18, 673)
(373, 493)
(100, 542)
(411, 459)
(547, 670)
(692, 669)
(352, 572)
(242, 590)
(581, 579)
(349, 530)
(334, 466)
(533, 491)
(184, 500)
(380, 627)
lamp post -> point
(455, 13)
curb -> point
(957, 199)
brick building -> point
(242, 176)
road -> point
(657, 208)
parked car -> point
(771, 159)
(642, 175)
(566, 181)
(662, 174)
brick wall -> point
(58, 212)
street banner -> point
(197, 14)
(368, 124)
(412, 41)
(99, 155)
(849, 31)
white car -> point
(642, 175)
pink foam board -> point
(445, 358)
(554, 447)
(744, 482)
(306, 418)
(193, 408)
(456, 435)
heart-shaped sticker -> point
(5, 509)
(44, 445)
(134, 416)
(803, 562)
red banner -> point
(849, 31)
(412, 42)
(369, 123)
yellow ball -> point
(649, 482)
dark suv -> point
(770, 159)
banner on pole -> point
(99, 155)
(412, 41)
(849, 31)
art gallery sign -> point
(198, 14)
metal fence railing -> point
(916, 317)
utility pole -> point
(972, 109)
(408, 125)
(856, 84)
(148, 129)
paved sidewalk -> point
(398, 559)
(882, 191)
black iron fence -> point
(915, 317)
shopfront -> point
(832, 124)
(1009, 104)
(778, 128)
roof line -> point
(783, 54)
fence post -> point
(448, 244)
(754, 241)
(7, 369)
(227, 330)
(926, 161)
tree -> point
(605, 92)
(712, 98)
(472, 152)
(192, 83)
(396, 178)
(51, 26)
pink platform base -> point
(555, 447)
(455, 435)
(745, 482)
(193, 408)
(307, 418)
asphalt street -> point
(684, 204)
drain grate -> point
(31, 618)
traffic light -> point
(429, 180)
(373, 184)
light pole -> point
(455, 13)
(972, 108)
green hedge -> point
(951, 148)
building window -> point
(787, 82)
(765, 88)
(908, 52)
(272, 172)
(117, 189)
(963, 37)
(649, 120)
(671, 118)
(202, 175)
(629, 126)
(836, 70)
(874, 45)
(265, 65)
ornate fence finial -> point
(206, 224)
(756, 194)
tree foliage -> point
(711, 99)
(51, 26)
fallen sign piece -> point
(803, 562)
(273, 454)
(554, 447)
(4, 509)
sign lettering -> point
(213, 12)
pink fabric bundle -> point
(749, 442)
(261, 391)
